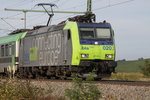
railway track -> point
(125, 82)
(111, 82)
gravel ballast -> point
(109, 91)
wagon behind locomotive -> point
(9, 52)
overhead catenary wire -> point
(81, 4)
(6, 29)
(54, 19)
(43, 22)
(12, 18)
(16, 4)
(42, 15)
(64, 17)
(8, 23)
(62, 3)
(111, 5)
(9, 17)
(55, 1)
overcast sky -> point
(130, 20)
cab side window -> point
(6, 50)
(2, 50)
(13, 49)
(69, 35)
(10, 50)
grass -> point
(13, 89)
(129, 77)
(130, 70)
(130, 66)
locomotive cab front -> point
(97, 42)
(92, 48)
(97, 48)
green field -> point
(130, 66)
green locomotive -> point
(59, 50)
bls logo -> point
(85, 48)
(107, 48)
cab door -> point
(67, 47)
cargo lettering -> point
(49, 48)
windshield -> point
(95, 33)
(87, 33)
(103, 33)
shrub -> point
(146, 68)
(83, 90)
(18, 89)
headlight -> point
(96, 43)
(84, 55)
(109, 56)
